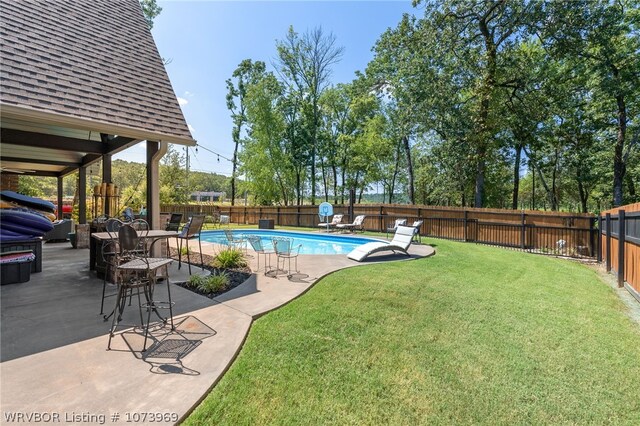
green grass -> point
(473, 335)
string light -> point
(215, 153)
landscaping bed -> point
(236, 275)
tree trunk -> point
(619, 166)
(233, 172)
(631, 187)
(553, 195)
(479, 191)
(335, 183)
(324, 180)
(314, 141)
(516, 177)
(584, 196)
(486, 90)
(344, 176)
(407, 151)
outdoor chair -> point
(285, 250)
(258, 246)
(234, 241)
(337, 218)
(174, 222)
(190, 231)
(139, 274)
(392, 229)
(400, 243)
(417, 225)
(357, 225)
(110, 254)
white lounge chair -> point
(337, 218)
(392, 229)
(358, 224)
(400, 243)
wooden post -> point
(155, 151)
(608, 239)
(60, 189)
(298, 217)
(523, 220)
(278, 215)
(106, 177)
(82, 195)
(381, 222)
(465, 225)
(599, 239)
(621, 241)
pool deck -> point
(83, 379)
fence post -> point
(278, 215)
(298, 218)
(608, 253)
(244, 221)
(464, 221)
(621, 240)
(523, 220)
(382, 228)
(599, 239)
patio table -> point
(154, 235)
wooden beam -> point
(42, 140)
(40, 161)
(89, 159)
(34, 173)
(119, 143)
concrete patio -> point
(54, 357)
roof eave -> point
(56, 119)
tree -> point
(150, 10)
(247, 73)
(478, 35)
(305, 63)
(266, 161)
(604, 36)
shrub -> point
(217, 281)
(184, 250)
(196, 281)
(230, 258)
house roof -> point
(80, 68)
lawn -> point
(475, 334)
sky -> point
(205, 40)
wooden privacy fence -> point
(620, 242)
(554, 233)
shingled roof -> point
(88, 62)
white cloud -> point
(191, 129)
(182, 101)
(188, 94)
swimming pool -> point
(311, 243)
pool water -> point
(311, 243)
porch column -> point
(60, 188)
(106, 177)
(82, 195)
(155, 151)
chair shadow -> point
(167, 348)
